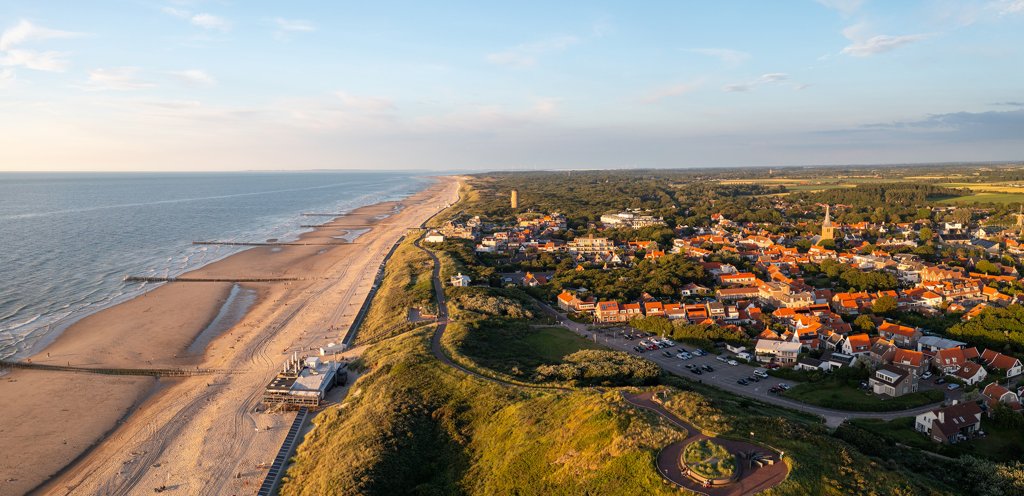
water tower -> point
(515, 199)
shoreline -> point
(97, 340)
(51, 331)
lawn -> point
(845, 397)
(550, 344)
(1000, 444)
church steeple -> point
(827, 230)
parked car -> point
(700, 352)
(733, 362)
(697, 371)
(760, 373)
(952, 386)
(926, 375)
(722, 359)
(772, 366)
(742, 382)
(940, 380)
(708, 368)
(667, 353)
(753, 378)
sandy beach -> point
(200, 434)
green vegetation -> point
(999, 328)
(1002, 198)
(832, 394)
(681, 330)
(966, 473)
(415, 426)
(601, 368)
(1003, 443)
(406, 286)
(709, 460)
(659, 278)
(849, 277)
(514, 349)
(899, 193)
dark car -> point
(940, 380)
(708, 368)
(753, 378)
(742, 382)
(697, 371)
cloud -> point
(1009, 104)
(116, 79)
(847, 7)
(210, 21)
(24, 32)
(48, 61)
(726, 55)
(201, 19)
(866, 46)
(526, 54)
(371, 104)
(769, 78)
(669, 91)
(962, 126)
(880, 44)
(194, 77)
(1008, 7)
(294, 25)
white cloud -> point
(847, 7)
(201, 19)
(25, 31)
(116, 79)
(880, 44)
(48, 61)
(672, 90)
(726, 55)
(525, 55)
(373, 104)
(1008, 7)
(769, 78)
(293, 25)
(194, 77)
(210, 21)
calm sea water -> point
(68, 240)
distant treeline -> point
(906, 194)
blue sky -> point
(227, 85)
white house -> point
(434, 237)
(767, 350)
(461, 280)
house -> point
(571, 303)
(691, 289)
(882, 352)
(434, 237)
(902, 336)
(784, 352)
(892, 381)
(856, 344)
(460, 280)
(608, 311)
(739, 279)
(533, 280)
(654, 309)
(837, 360)
(950, 424)
(971, 373)
(733, 294)
(808, 363)
(936, 343)
(914, 362)
(950, 360)
(995, 395)
(996, 360)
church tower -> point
(827, 230)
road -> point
(725, 376)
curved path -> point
(751, 480)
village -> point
(768, 298)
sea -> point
(67, 240)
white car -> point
(722, 359)
(684, 356)
(953, 386)
(733, 362)
(926, 375)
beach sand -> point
(200, 434)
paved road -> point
(750, 479)
(725, 376)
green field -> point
(553, 343)
(987, 198)
(845, 397)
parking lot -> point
(724, 376)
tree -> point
(883, 305)
(987, 267)
(864, 323)
(925, 234)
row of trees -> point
(998, 328)
(850, 277)
(601, 368)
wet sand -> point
(200, 434)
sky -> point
(217, 85)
